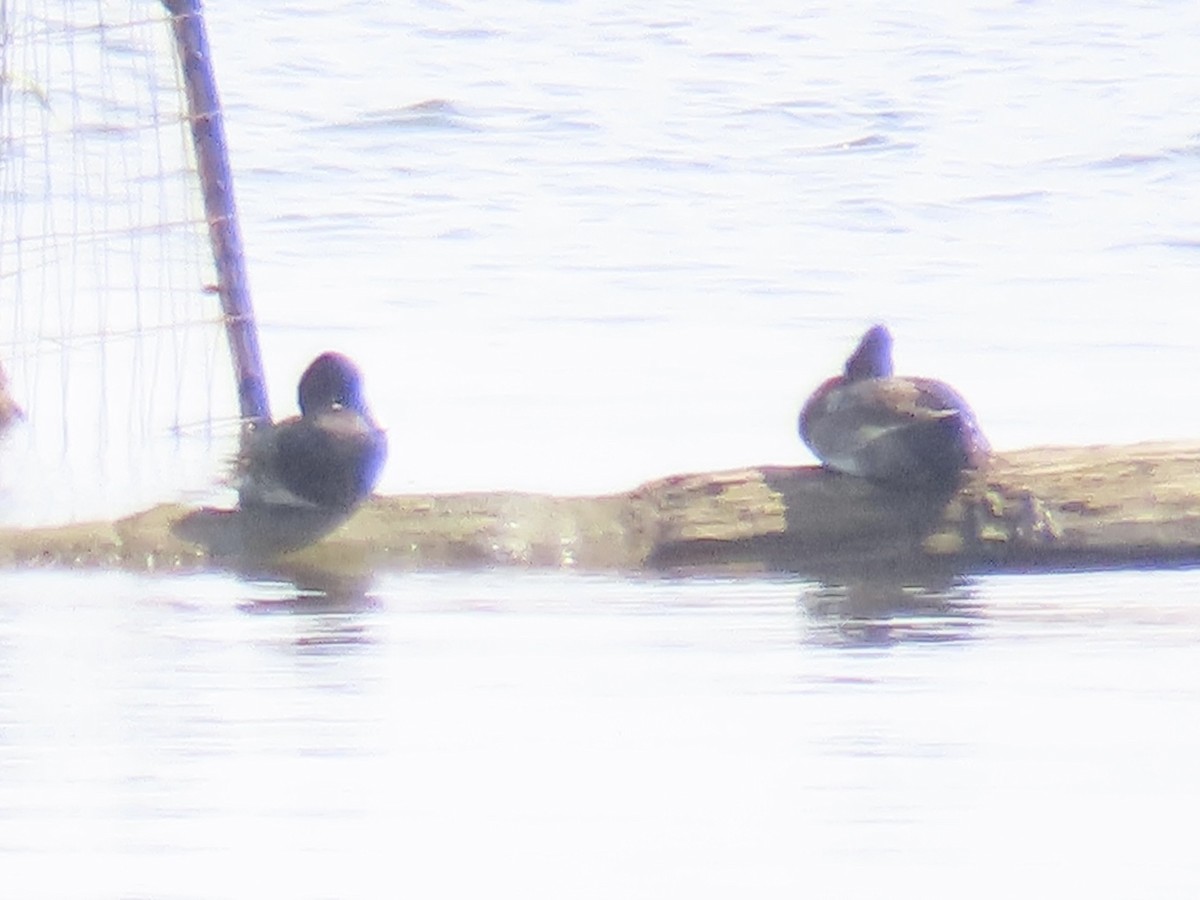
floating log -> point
(1042, 508)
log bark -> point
(1041, 508)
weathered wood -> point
(1039, 508)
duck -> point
(10, 412)
(895, 430)
(327, 458)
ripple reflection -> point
(882, 611)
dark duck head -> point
(872, 358)
(329, 456)
(908, 432)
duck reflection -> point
(885, 610)
(329, 612)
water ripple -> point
(429, 115)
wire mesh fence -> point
(110, 330)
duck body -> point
(329, 457)
(10, 412)
(902, 431)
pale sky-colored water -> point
(594, 244)
(551, 735)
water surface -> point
(550, 735)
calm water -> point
(576, 246)
(624, 240)
(550, 736)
